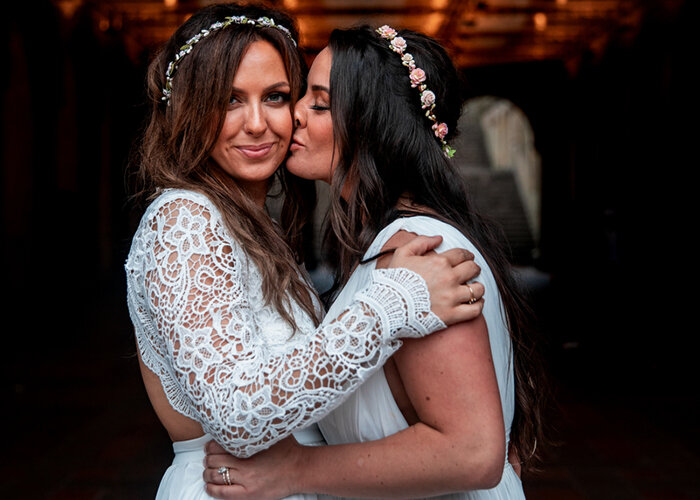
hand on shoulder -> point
(446, 274)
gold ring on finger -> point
(224, 473)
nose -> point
(256, 121)
(300, 113)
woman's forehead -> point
(321, 68)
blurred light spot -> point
(540, 20)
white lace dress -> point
(228, 360)
(371, 413)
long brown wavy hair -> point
(387, 150)
(178, 140)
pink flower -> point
(386, 31)
(427, 99)
(440, 130)
(407, 60)
(398, 44)
(417, 77)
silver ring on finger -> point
(225, 474)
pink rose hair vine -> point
(417, 78)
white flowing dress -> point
(371, 413)
(227, 359)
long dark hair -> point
(179, 138)
(387, 150)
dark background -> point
(617, 315)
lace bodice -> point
(227, 359)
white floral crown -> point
(261, 22)
(417, 77)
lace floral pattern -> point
(228, 360)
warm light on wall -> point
(561, 2)
(304, 27)
(432, 23)
(69, 7)
(540, 20)
(170, 3)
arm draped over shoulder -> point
(194, 308)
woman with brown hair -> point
(229, 339)
(440, 419)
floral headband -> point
(261, 22)
(417, 77)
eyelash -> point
(320, 108)
(283, 97)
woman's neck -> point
(406, 203)
(257, 192)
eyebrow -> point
(268, 88)
(321, 87)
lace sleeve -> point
(245, 393)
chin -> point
(294, 168)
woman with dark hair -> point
(380, 110)
(227, 326)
